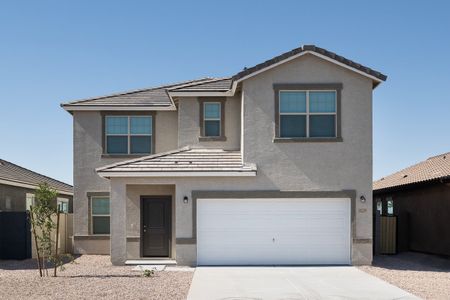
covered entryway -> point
(274, 231)
(156, 226)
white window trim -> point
(128, 134)
(307, 113)
(62, 200)
(33, 199)
(212, 119)
(99, 215)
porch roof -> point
(184, 162)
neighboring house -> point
(420, 198)
(266, 167)
(18, 185)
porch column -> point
(118, 222)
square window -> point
(117, 144)
(292, 126)
(322, 102)
(212, 111)
(141, 125)
(100, 206)
(116, 125)
(140, 144)
(292, 102)
(212, 128)
(100, 225)
(322, 126)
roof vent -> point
(445, 156)
(406, 175)
(382, 178)
(2, 163)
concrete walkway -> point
(290, 283)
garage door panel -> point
(273, 231)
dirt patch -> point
(91, 277)
(426, 276)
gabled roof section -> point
(154, 98)
(323, 53)
(434, 168)
(12, 174)
(184, 162)
(217, 85)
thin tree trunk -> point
(56, 244)
(36, 242)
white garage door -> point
(273, 231)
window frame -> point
(29, 197)
(307, 88)
(91, 215)
(107, 114)
(60, 200)
(202, 103)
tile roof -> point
(436, 167)
(329, 54)
(220, 84)
(14, 174)
(158, 97)
(183, 160)
(152, 97)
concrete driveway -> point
(290, 283)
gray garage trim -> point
(266, 194)
(307, 86)
(91, 237)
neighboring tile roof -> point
(153, 97)
(220, 85)
(329, 54)
(15, 174)
(184, 160)
(436, 167)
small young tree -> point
(43, 226)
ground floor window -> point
(29, 201)
(63, 205)
(390, 206)
(100, 215)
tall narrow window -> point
(63, 205)
(29, 201)
(212, 119)
(100, 217)
(128, 134)
(390, 206)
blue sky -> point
(55, 51)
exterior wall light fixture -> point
(362, 199)
(185, 199)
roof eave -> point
(29, 185)
(245, 173)
(70, 108)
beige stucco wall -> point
(133, 213)
(314, 166)
(333, 166)
(88, 151)
(189, 124)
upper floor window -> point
(304, 113)
(307, 114)
(128, 134)
(212, 119)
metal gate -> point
(15, 235)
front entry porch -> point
(142, 224)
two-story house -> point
(272, 166)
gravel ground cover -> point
(426, 276)
(90, 277)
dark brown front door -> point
(156, 229)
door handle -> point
(273, 240)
